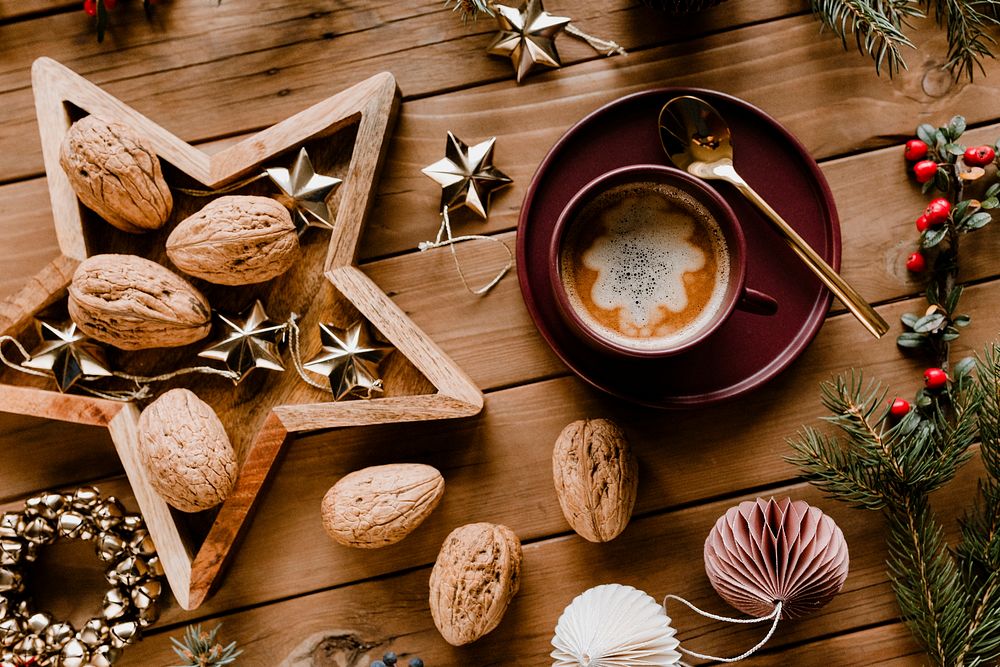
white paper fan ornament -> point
(767, 551)
(614, 626)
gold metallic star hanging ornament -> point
(67, 354)
(305, 192)
(248, 341)
(467, 175)
(527, 36)
(350, 359)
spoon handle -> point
(855, 303)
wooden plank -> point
(249, 68)
(14, 10)
(685, 458)
(887, 645)
(658, 554)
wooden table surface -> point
(293, 597)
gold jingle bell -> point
(85, 497)
(129, 571)
(11, 551)
(10, 581)
(109, 547)
(104, 656)
(46, 505)
(116, 604)
(31, 646)
(72, 524)
(58, 634)
(74, 654)
(10, 629)
(142, 543)
(125, 633)
(109, 513)
(131, 522)
(94, 633)
(11, 524)
(38, 622)
(155, 567)
(39, 531)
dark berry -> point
(937, 211)
(416, 662)
(925, 170)
(916, 263)
(979, 156)
(390, 658)
(377, 663)
(935, 378)
(915, 150)
(900, 408)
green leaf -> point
(940, 139)
(934, 236)
(993, 190)
(956, 127)
(950, 335)
(953, 297)
(929, 323)
(911, 340)
(909, 319)
(925, 188)
(963, 367)
(941, 179)
(989, 202)
(961, 320)
(932, 294)
(977, 220)
(925, 133)
(960, 209)
(956, 150)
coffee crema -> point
(645, 265)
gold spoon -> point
(698, 140)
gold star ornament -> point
(248, 341)
(467, 175)
(350, 359)
(67, 354)
(527, 36)
(305, 192)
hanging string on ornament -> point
(468, 180)
(527, 34)
(302, 191)
(772, 559)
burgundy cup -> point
(737, 294)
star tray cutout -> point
(467, 176)
(527, 36)
(267, 419)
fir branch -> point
(470, 10)
(966, 26)
(876, 28)
(838, 472)
(202, 649)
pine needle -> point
(876, 27)
(202, 649)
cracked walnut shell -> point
(378, 506)
(116, 174)
(235, 240)
(475, 577)
(186, 452)
(596, 478)
(135, 304)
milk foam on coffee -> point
(645, 265)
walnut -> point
(133, 303)
(475, 577)
(186, 452)
(116, 173)
(236, 240)
(596, 478)
(380, 505)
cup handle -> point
(758, 303)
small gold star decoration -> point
(248, 341)
(67, 354)
(527, 36)
(350, 359)
(467, 175)
(305, 192)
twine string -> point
(294, 335)
(774, 616)
(193, 192)
(605, 46)
(23, 352)
(445, 238)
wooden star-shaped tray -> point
(346, 136)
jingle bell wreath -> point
(29, 636)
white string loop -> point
(605, 46)
(445, 238)
(774, 616)
(293, 347)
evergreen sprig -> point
(948, 597)
(470, 10)
(878, 25)
(202, 649)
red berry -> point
(900, 408)
(979, 156)
(916, 263)
(937, 211)
(923, 223)
(925, 170)
(915, 150)
(935, 378)
(90, 6)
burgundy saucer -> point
(749, 349)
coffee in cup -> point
(645, 265)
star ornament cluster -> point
(305, 192)
(467, 175)
(249, 341)
(527, 36)
(67, 354)
(350, 359)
